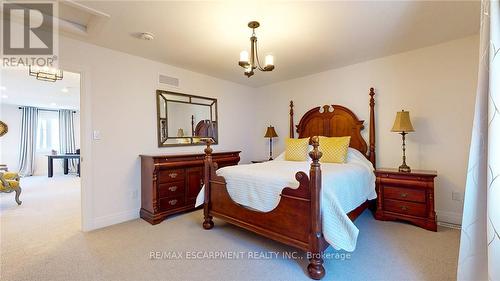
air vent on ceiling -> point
(172, 81)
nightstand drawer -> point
(171, 189)
(171, 203)
(404, 207)
(405, 194)
(171, 175)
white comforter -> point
(345, 187)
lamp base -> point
(404, 168)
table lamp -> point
(271, 133)
(180, 132)
(402, 125)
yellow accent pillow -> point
(334, 149)
(296, 149)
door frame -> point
(86, 183)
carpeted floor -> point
(41, 240)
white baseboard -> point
(112, 219)
(449, 217)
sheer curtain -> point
(480, 240)
(27, 147)
(67, 136)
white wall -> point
(9, 143)
(119, 93)
(436, 84)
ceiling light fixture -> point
(65, 90)
(148, 36)
(249, 63)
(46, 73)
(3, 88)
(5, 97)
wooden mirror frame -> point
(213, 114)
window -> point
(47, 137)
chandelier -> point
(46, 73)
(249, 63)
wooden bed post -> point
(371, 151)
(315, 267)
(207, 222)
(291, 120)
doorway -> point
(42, 145)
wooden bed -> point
(296, 221)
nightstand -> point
(260, 161)
(406, 196)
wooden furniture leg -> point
(315, 267)
(207, 218)
(18, 193)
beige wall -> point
(436, 84)
(118, 100)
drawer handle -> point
(172, 202)
(403, 195)
(404, 208)
(172, 188)
(172, 175)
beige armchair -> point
(9, 182)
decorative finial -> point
(209, 142)
(315, 154)
(372, 92)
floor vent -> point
(450, 225)
(172, 81)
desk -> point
(65, 157)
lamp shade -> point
(180, 132)
(402, 122)
(271, 133)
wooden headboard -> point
(337, 121)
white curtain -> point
(27, 147)
(67, 136)
(480, 241)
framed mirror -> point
(185, 119)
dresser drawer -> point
(171, 175)
(171, 189)
(171, 203)
(405, 194)
(404, 207)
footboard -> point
(296, 221)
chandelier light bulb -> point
(269, 60)
(244, 56)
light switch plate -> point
(96, 135)
(457, 196)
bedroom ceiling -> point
(304, 37)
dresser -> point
(406, 196)
(170, 183)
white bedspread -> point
(345, 187)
